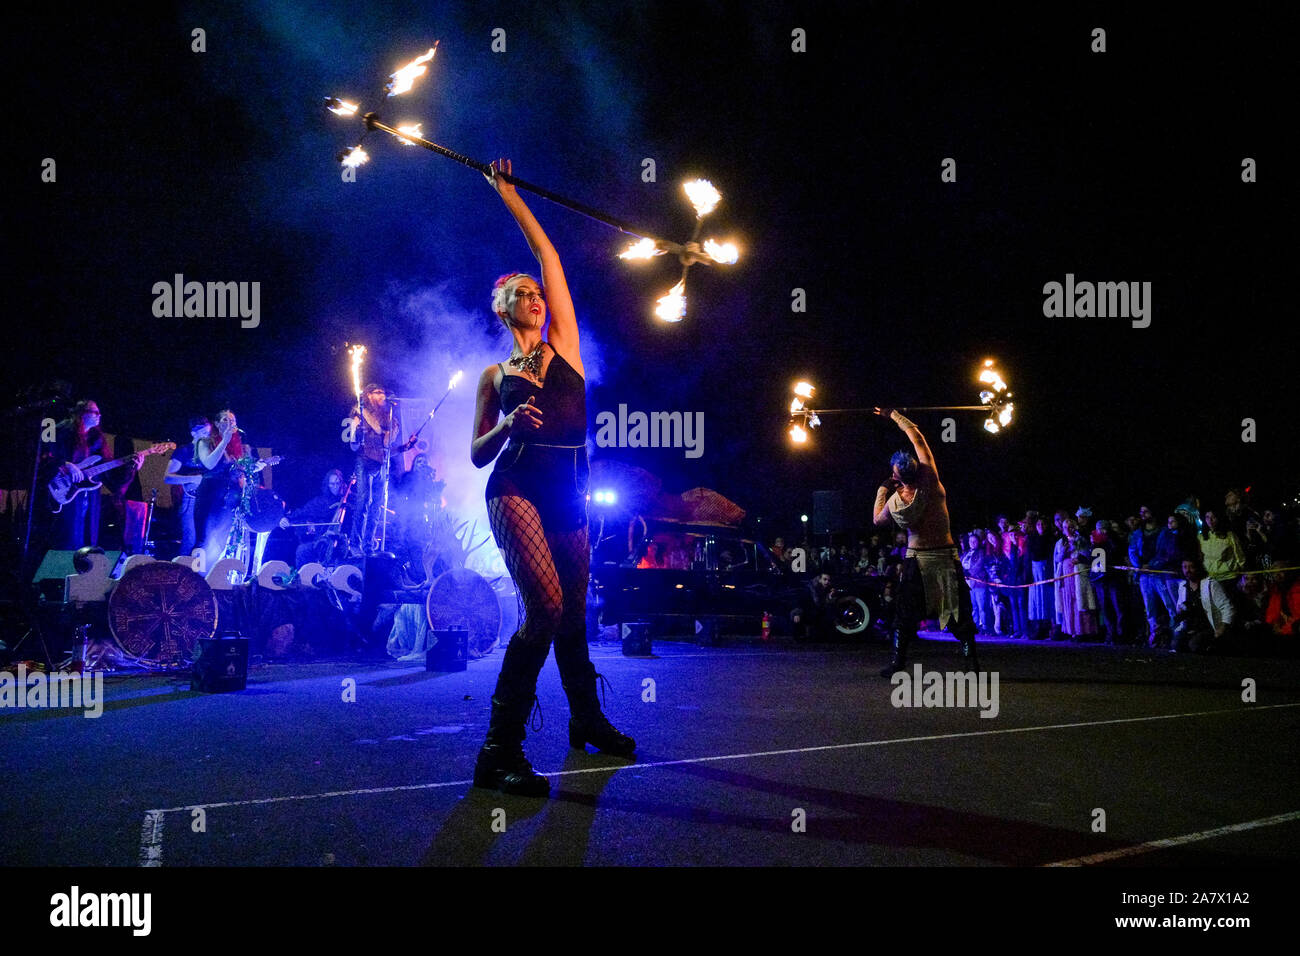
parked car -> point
(683, 573)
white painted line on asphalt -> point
(1178, 840)
(151, 839)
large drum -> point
(463, 598)
(265, 509)
(158, 612)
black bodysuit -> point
(549, 467)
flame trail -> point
(404, 78)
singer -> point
(537, 505)
(219, 490)
(377, 434)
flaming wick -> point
(405, 78)
(450, 385)
(357, 351)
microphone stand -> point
(383, 517)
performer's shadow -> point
(469, 832)
(467, 835)
(565, 832)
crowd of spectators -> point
(1195, 580)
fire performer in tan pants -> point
(932, 585)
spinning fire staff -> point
(703, 196)
(995, 401)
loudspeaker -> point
(220, 665)
(450, 652)
(828, 512)
(636, 639)
(57, 565)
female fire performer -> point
(537, 506)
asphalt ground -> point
(748, 755)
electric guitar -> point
(63, 489)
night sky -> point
(1117, 166)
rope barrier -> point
(1117, 567)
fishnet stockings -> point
(550, 575)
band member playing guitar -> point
(76, 512)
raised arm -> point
(919, 444)
(563, 334)
(210, 459)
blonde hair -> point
(503, 291)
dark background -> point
(1122, 166)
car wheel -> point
(852, 616)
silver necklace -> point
(530, 363)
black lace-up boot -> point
(588, 725)
(501, 763)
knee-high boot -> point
(502, 764)
(902, 637)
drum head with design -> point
(462, 598)
(159, 611)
